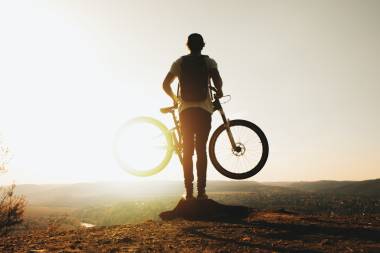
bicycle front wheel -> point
(143, 146)
(249, 156)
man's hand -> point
(219, 93)
(175, 100)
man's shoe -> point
(188, 196)
(202, 196)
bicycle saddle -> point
(167, 109)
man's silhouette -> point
(195, 108)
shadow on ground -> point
(206, 210)
(278, 230)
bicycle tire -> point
(251, 172)
(165, 159)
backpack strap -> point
(209, 82)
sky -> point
(306, 72)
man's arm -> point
(217, 80)
(167, 88)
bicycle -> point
(226, 142)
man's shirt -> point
(205, 104)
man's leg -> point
(201, 138)
(188, 150)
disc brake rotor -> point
(239, 150)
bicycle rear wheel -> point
(143, 146)
(248, 158)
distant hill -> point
(81, 194)
(318, 186)
(370, 188)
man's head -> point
(195, 42)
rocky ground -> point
(258, 231)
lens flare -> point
(143, 146)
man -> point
(195, 108)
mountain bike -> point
(238, 149)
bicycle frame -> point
(171, 140)
(177, 135)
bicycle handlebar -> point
(168, 109)
(216, 102)
(213, 88)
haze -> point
(307, 72)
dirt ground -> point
(264, 231)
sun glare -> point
(143, 146)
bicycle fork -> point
(226, 123)
(227, 126)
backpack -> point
(194, 78)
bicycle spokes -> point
(245, 155)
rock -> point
(284, 211)
(324, 242)
(206, 210)
(124, 240)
